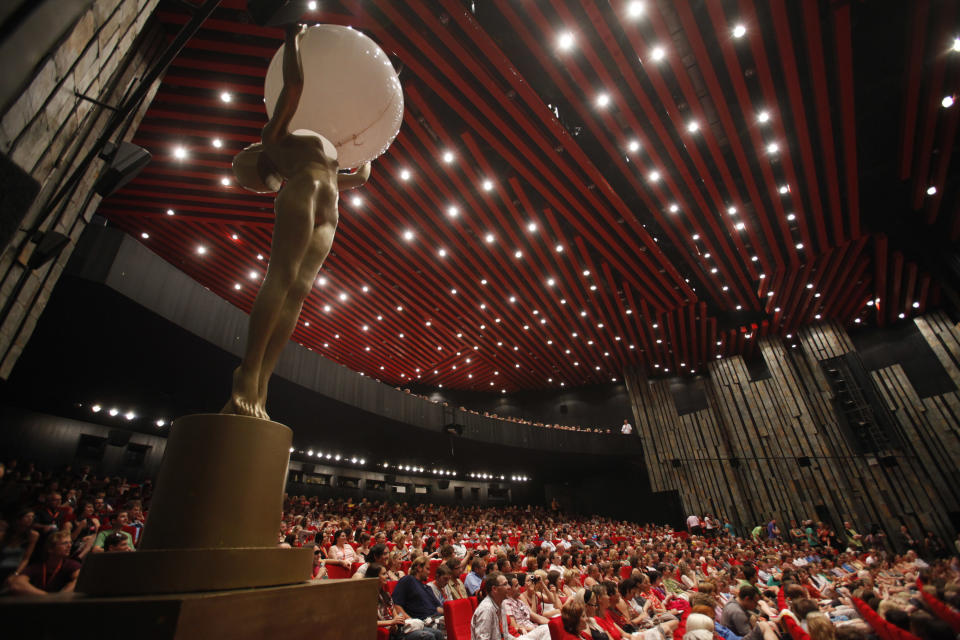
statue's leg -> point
(291, 237)
(320, 243)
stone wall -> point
(48, 130)
(778, 446)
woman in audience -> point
(571, 583)
(393, 565)
(341, 552)
(520, 619)
(17, 545)
(393, 618)
(574, 620)
(539, 597)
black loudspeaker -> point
(454, 429)
(118, 438)
(563, 409)
(889, 461)
(823, 513)
(443, 484)
(49, 246)
(735, 463)
(675, 463)
(803, 461)
(306, 467)
(16, 196)
(390, 478)
(272, 13)
(90, 447)
(124, 162)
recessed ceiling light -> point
(565, 41)
(674, 208)
(551, 282)
(488, 185)
(408, 235)
(559, 248)
(225, 181)
(452, 211)
(739, 31)
(226, 96)
(237, 286)
(170, 212)
(772, 148)
(201, 250)
(405, 174)
(635, 9)
(791, 217)
(448, 156)
(633, 146)
(931, 190)
(916, 305)
(947, 102)
(489, 238)
(343, 297)
(695, 236)
(740, 226)
(356, 201)
(693, 126)
(442, 253)
(145, 235)
(180, 153)
(312, 5)
(532, 226)
(217, 142)
(799, 245)
(654, 176)
(784, 189)
(518, 254)
(658, 53)
(763, 116)
(253, 275)
(603, 100)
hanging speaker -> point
(124, 163)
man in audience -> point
(49, 517)
(54, 573)
(627, 428)
(414, 596)
(737, 613)
(693, 524)
(521, 621)
(120, 520)
(116, 541)
(475, 577)
(440, 583)
(487, 621)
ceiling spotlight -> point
(916, 305)
(356, 201)
(603, 100)
(633, 146)
(488, 185)
(259, 256)
(658, 53)
(518, 254)
(799, 246)
(236, 286)
(784, 189)
(225, 181)
(551, 282)
(931, 190)
(145, 235)
(947, 102)
(740, 226)
(902, 316)
(226, 97)
(343, 297)
(635, 9)
(452, 211)
(448, 156)
(217, 142)
(170, 212)
(739, 31)
(489, 238)
(565, 41)
(791, 217)
(532, 227)
(559, 248)
(763, 116)
(129, 415)
(202, 250)
(956, 44)
(654, 176)
(160, 422)
(408, 235)
(693, 126)
(96, 408)
(180, 153)
(773, 148)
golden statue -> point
(302, 166)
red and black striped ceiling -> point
(658, 182)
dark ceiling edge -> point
(110, 257)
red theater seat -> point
(337, 572)
(434, 563)
(625, 572)
(457, 615)
(391, 585)
(473, 602)
(383, 633)
(557, 632)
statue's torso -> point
(308, 163)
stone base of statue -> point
(214, 515)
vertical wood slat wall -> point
(739, 457)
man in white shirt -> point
(693, 525)
(487, 623)
(627, 428)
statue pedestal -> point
(214, 516)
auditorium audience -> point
(603, 578)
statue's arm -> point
(289, 98)
(352, 180)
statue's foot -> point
(241, 402)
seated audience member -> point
(412, 594)
(116, 541)
(574, 620)
(49, 516)
(736, 613)
(455, 587)
(475, 578)
(120, 520)
(571, 583)
(376, 554)
(54, 573)
(487, 620)
(440, 582)
(319, 571)
(539, 597)
(399, 624)
(84, 531)
(17, 544)
(521, 621)
(394, 563)
(341, 552)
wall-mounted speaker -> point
(675, 463)
(443, 484)
(889, 461)
(306, 467)
(563, 409)
(49, 246)
(735, 463)
(803, 461)
(118, 438)
(389, 477)
(124, 162)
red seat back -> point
(473, 602)
(557, 632)
(457, 615)
(337, 572)
(434, 563)
(383, 633)
(625, 572)
(391, 585)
